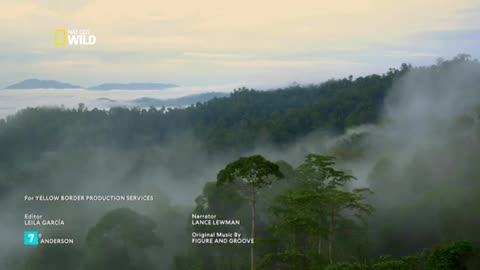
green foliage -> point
(318, 209)
(297, 214)
(455, 256)
(285, 260)
(118, 241)
(414, 262)
(254, 171)
(125, 227)
(452, 256)
(219, 199)
(286, 169)
(233, 123)
(391, 265)
(347, 266)
(250, 174)
(232, 196)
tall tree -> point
(316, 208)
(248, 175)
(119, 241)
(318, 175)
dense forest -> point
(236, 122)
(376, 172)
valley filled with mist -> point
(410, 139)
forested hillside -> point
(377, 172)
(238, 121)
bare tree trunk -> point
(319, 245)
(252, 248)
(330, 238)
(320, 238)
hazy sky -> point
(218, 42)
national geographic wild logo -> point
(74, 37)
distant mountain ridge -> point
(169, 102)
(41, 84)
(131, 86)
(179, 102)
(53, 84)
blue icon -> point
(30, 238)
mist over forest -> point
(411, 136)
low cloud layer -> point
(12, 101)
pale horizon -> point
(215, 43)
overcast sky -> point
(266, 42)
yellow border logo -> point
(58, 41)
